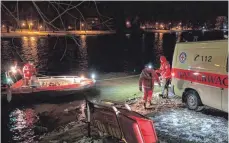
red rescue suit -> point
(146, 81)
(28, 71)
(164, 70)
(165, 73)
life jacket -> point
(28, 70)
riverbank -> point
(51, 33)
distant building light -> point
(23, 24)
(143, 27)
(41, 26)
(3, 26)
(180, 23)
(93, 22)
(128, 24)
(31, 23)
(69, 27)
(82, 24)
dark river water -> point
(105, 53)
(83, 54)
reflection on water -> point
(6, 54)
(178, 36)
(21, 125)
(83, 55)
(110, 53)
(29, 49)
(158, 46)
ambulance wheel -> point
(193, 101)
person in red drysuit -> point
(28, 71)
(146, 82)
(165, 73)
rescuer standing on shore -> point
(165, 73)
(146, 82)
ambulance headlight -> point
(13, 69)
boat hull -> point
(18, 91)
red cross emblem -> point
(182, 57)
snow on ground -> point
(191, 126)
(159, 104)
(89, 140)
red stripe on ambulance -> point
(217, 80)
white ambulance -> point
(200, 74)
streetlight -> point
(30, 25)
(162, 26)
(23, 24)
(3, 26)
(40, 27)
(128, 24)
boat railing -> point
(58, 77)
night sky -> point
(171, 10)
(157, 11)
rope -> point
(118, 78)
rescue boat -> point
(49, 86)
